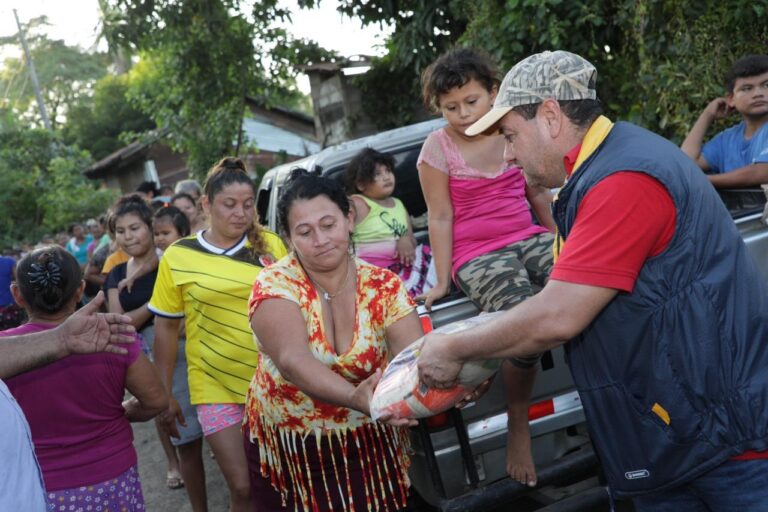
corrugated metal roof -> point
(268, 137)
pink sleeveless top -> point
(489, 212)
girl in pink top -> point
(480, 225)
(79, 422)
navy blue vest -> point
(690, 341)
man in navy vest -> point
(662, 311)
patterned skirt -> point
(362, 469)
(119, 494)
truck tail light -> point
(438, 421)
(426, 323)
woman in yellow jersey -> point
(206, 279)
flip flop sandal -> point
(173, 480)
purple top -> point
(489, 212)
(75, 413)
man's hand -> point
(89, 331)
(718, 109)
(438, 368)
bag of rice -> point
(400, 393)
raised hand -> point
(719, 109)
(89, 331)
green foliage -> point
(421, 34)
(197, 65)
(97, 123)
(199, 60)
(65, 73)
(43, 188)
(659, 61)
(67, 195)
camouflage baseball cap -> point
(558, 75)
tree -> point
(66, 73)
(659, 61)
(421, 33)
(199, 60)
(43, 188)
(103, 122)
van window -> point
(262, 202)
(407, 186)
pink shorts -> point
(216, 417)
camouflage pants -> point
(503, 278)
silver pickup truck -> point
(459, 457)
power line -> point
(33, 75)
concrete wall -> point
(338, 108)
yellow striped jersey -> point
(209, 287)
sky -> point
(76, 22)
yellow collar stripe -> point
(594, 137)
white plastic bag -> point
(400, 393)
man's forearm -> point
(550, 318)
(526, 329)
(19, 354)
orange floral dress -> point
(281, 418)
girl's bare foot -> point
(520, 465)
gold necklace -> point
(328, 296)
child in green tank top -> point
(383, 234)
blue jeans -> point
(736, 486)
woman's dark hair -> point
(177, 218)
(454, 69)
(148, 187)
(47, 278)
(71, 229)
(746, 67)
(362, 168)
(134, 204)
(183, 195)
(227, 171)
(302, 184)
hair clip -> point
(43, 275)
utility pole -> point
(33, 75)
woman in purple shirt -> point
(79, 422)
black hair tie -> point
(44, 275)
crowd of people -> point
(270, 345)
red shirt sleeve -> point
(624, 220)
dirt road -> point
(152, 469)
